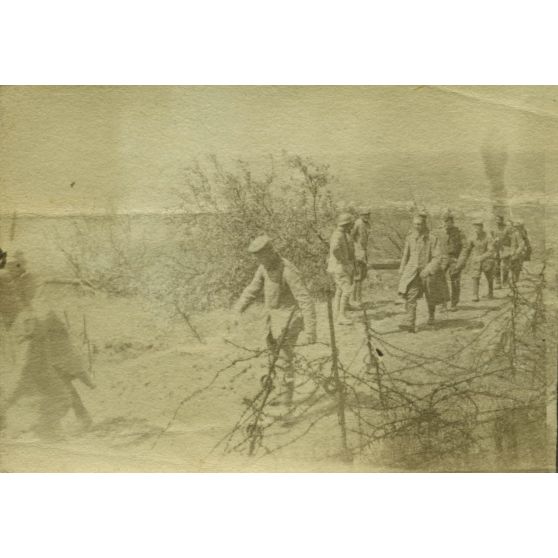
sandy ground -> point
(152, 408)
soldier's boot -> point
(476, 283)
(490, 287)
(342, 317)
(410, 320)
(431, 315)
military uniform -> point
(289, 308)
(452, 242)
(341, 266)
(482, 252)
(422, 257)
(359, 235)
(50, 366)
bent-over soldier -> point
(341, 266)
(359, 235)
(482, 252)
(289, 306)
(421, 273)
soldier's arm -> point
(490, 251)
(304, 300)
(464, 255)
(520, 246)
(437, 257)
(405, 256)
(336, 248)
(251, 292)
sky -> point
(68, 150)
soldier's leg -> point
(498, 273)
(82, 414)
(515, 270)
(411, 297)
(288, 357)
(455, 285)
(337, 298)
(52, 409)
(505, 270)
(430, 306)
(346, 286)
(476, 284)
(490, 280)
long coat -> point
(421, 254)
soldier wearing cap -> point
(481, 248)
(421, 273)
(289, 306)
(359, 234)
(341, 266)
(452, 241)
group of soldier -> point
(431, 267)
(431, 264)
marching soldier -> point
(481, 248)
(502, 240)
(341, 265)
(452, 242)
(421, 273)
(289, 306)
(359, 235)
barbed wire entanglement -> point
(479, 403)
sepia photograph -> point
(278, 278)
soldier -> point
(341, 265)
(359, 235)
(50, 365)
(289, 306)
(421, 272)
(501, 236)
(518, 251)
(481, 247)
(452, 242)
(520, 225)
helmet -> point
(259, 243)
(345, 219)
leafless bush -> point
(102, 254)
